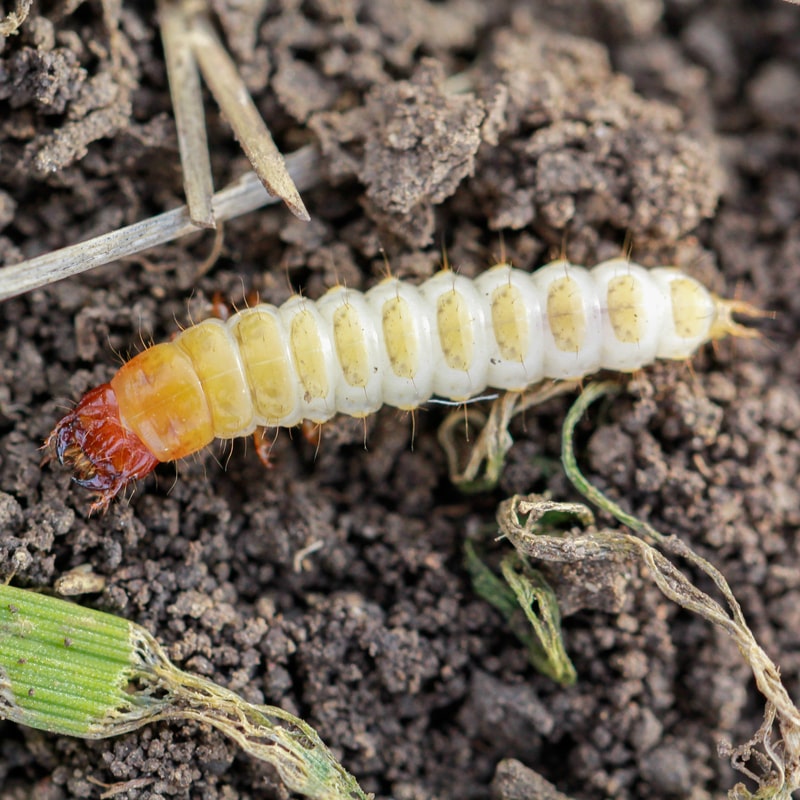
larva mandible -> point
(396, 345)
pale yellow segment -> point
(689, 308)
(565, 315)
(400, 338)
(625, 300)
(510, 323)
(309, 359)
(454, 324)
(351, 349)
(266, 364)
(213, 355)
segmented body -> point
(396, 345)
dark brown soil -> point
(673, 123)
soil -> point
(334, 584)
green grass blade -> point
(75, 671)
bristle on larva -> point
(397, 344)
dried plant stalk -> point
(187, 104)
(521, 519)
(11, 22)
(230, 92)
(245, 195)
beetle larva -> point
(396, 345)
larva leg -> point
(263, 441)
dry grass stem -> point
(229, 90)
(11, 22)
(245, 195)
(485, 459)
(521, 520)
(187, 103)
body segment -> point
(395, 345)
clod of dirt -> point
(579, 149)
(411, 145)
(514, 781)
(58, 77)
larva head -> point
(103, 454)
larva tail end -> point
(102, 453)
(725, 324)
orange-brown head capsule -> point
(103, 454)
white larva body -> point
(397, 345)
(453, 337)
(400, 345)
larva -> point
(396, 345)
